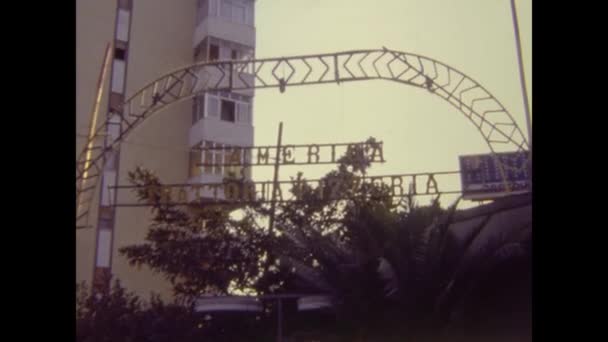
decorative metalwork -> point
(490, 117)
(290, 154)
(238, 191)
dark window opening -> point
(228, 111)
(234, 55)
(120, 53)
(200, 52)
(198, 109)
(214, 52)
(116, 101)
(125, 4)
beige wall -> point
(161, 40)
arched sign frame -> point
(495, 124)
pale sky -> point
(421, 132)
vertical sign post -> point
(275, 180)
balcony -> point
(223, 28)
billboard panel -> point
(482, 180)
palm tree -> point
(405, 273)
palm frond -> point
(475, 262)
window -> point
(214, 106)
(213, 8)
(223, 159)
(113, 125)
(122, 28)
(208, 158)
(233, 158)
(226, 106)
(226, 10)
(238, 14)
(218, 159)
(200, 52)
(224, 52)
(118, 76)
(245, 53)
(116, 101)
(202, 10)
(214, 52)
(244, 115)
(246, 160)
(198, 109)
(250, 15)
(228, 111)
(195, 160)
(120, 53)
(125, 4)
(242, 98)
(233, 11)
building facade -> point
(151, 38)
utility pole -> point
(275, 181)
(275, 185)
(522, 76)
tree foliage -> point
(200, 250)
(388, 267)
(120, 315)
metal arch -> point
(489, 116)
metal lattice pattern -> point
(490, 117)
